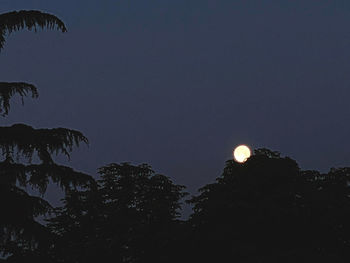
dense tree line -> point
(264, 210)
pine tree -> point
(27, 157)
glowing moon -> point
(241, 153)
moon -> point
(241, 153)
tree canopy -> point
(127, 218)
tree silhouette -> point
(14, 21)
(21, 236)
(268, 210)
(249, 211)
(129, 217)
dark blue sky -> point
(177, 84)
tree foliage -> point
(269, 210)
(15, 21)
(264, 210)
(31, 20)
(9, 89)
(127, 218)
(44, 142)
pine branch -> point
(64, 176)
(14, 21)
(25, 141)
(9, 89)
(38, 176)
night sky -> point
(178, 84)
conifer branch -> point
(9, 89)
(25, 141)
(31, 20)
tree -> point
(252, 212)
(269, 210)
(129, 217)
(20, 234)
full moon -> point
(241, 153)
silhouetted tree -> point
(252, 212)
(130, 217)
(14, 21)
(268, 210)
(20, 234)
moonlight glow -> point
(241, 153)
